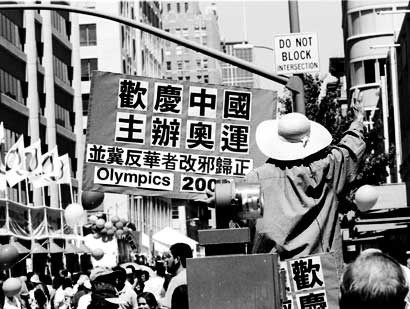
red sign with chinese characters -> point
(162, 137)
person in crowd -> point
(11, 289)
(39, 296)
(147, 300)
(131, 275)
(47, 283)
(125, 290)
(176, 265)
(139, 287)
(300, 183)
(83, 288)
(62, 293)
(155, 283)
(373, 281)
(144, 276)
(24, 293)
(103, 295)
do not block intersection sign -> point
(296, 53)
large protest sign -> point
(161, 137)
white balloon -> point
(74, 214)
(366, 197)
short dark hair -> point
(181, 250)
(373, 281)
(149, 298)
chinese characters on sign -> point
(163, 135)
(305, 284)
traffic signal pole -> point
(293, 83)
(298, 96)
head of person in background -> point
(144, 276)
(177, 261)
(130, 271)
(121, 277)
(146, 300)
(104, 295)
(373, 281)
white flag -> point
(15, 163)
(63, 171)
(48, 168)
(32, 155)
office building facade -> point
(232, 75)
(185, 19)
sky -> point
(265, 19)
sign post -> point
(296, 53)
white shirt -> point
(13, 303)
(84, 301)
(175, 282)
(154, 285)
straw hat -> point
(292, 137)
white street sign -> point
(296, 53)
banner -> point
(15, 163)
(32, 156)
(47, 175)
(63, 170)
(171, 138)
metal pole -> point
(298, 96)
(160, 33)
(396, 108)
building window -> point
(168, 7)
(59, 23)
(179, 65)
(60, 70)
(88, 35)
(86, 100)
(187, 78)
(169, 67)
(186, 64)
(369, 71)
(178, 7)
(186, 7)
(87, 66)
(206, 79)
(9, 31)
(62, 116)
(185, 32)
(205, 63)
(11, 86)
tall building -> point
(185, 19)
(369, 34)
(40, 90)
(40, 99)
(114, 47)
(232, 75)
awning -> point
(36, 248)
(54, 248)
(20, 248)
(169, 236)
(71, 249)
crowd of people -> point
(374, 280)
(129, 286)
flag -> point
(15, 163)
(48, 169)
(3, 180)
(32, 156)
(63, 172)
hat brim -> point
(115, 300)
(272, 146)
